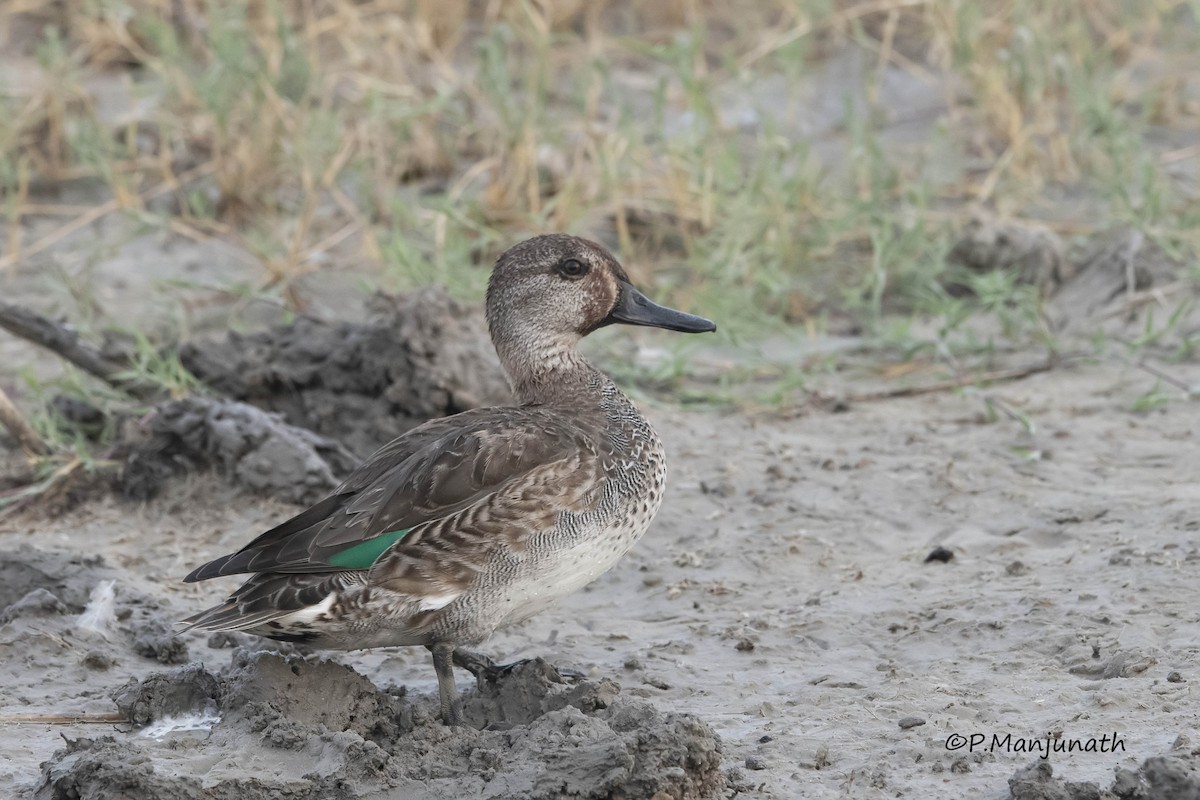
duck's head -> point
(548, 292)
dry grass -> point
(424, 135)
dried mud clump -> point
(31, 577)
(302, 728)
(61, 609)
(184, 690)
(422, 355)
(1104, 284)
(256, 449)
(1115, 273)
(1034, 253)
(1175, 776)
(38, 603)
(103, 768)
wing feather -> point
(268, 597)
(482, 471)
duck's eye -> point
(572, 268)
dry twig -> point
(15, 423)
(109, 718)
(959, 382)
(100, 211)
(1183, 386)
(771, 44)
(65, 342)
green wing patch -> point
(365, 553)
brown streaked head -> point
(560, 288)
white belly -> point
(546, 581)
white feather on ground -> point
(99, 615)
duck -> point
(480, 520)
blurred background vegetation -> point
(774, 164)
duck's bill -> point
(634, 308)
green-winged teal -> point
(485, 518)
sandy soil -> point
(783, 597)
(781, 632)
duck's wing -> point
(438, 494)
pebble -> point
(910, 722)
(939, 555)
(98, 660)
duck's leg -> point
(451, 705)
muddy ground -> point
(893, 597)
(901, 597)
(782, 630)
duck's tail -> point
(289, 607)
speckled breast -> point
(583, 546)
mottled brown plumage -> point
(482, 519)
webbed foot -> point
(483, 667)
